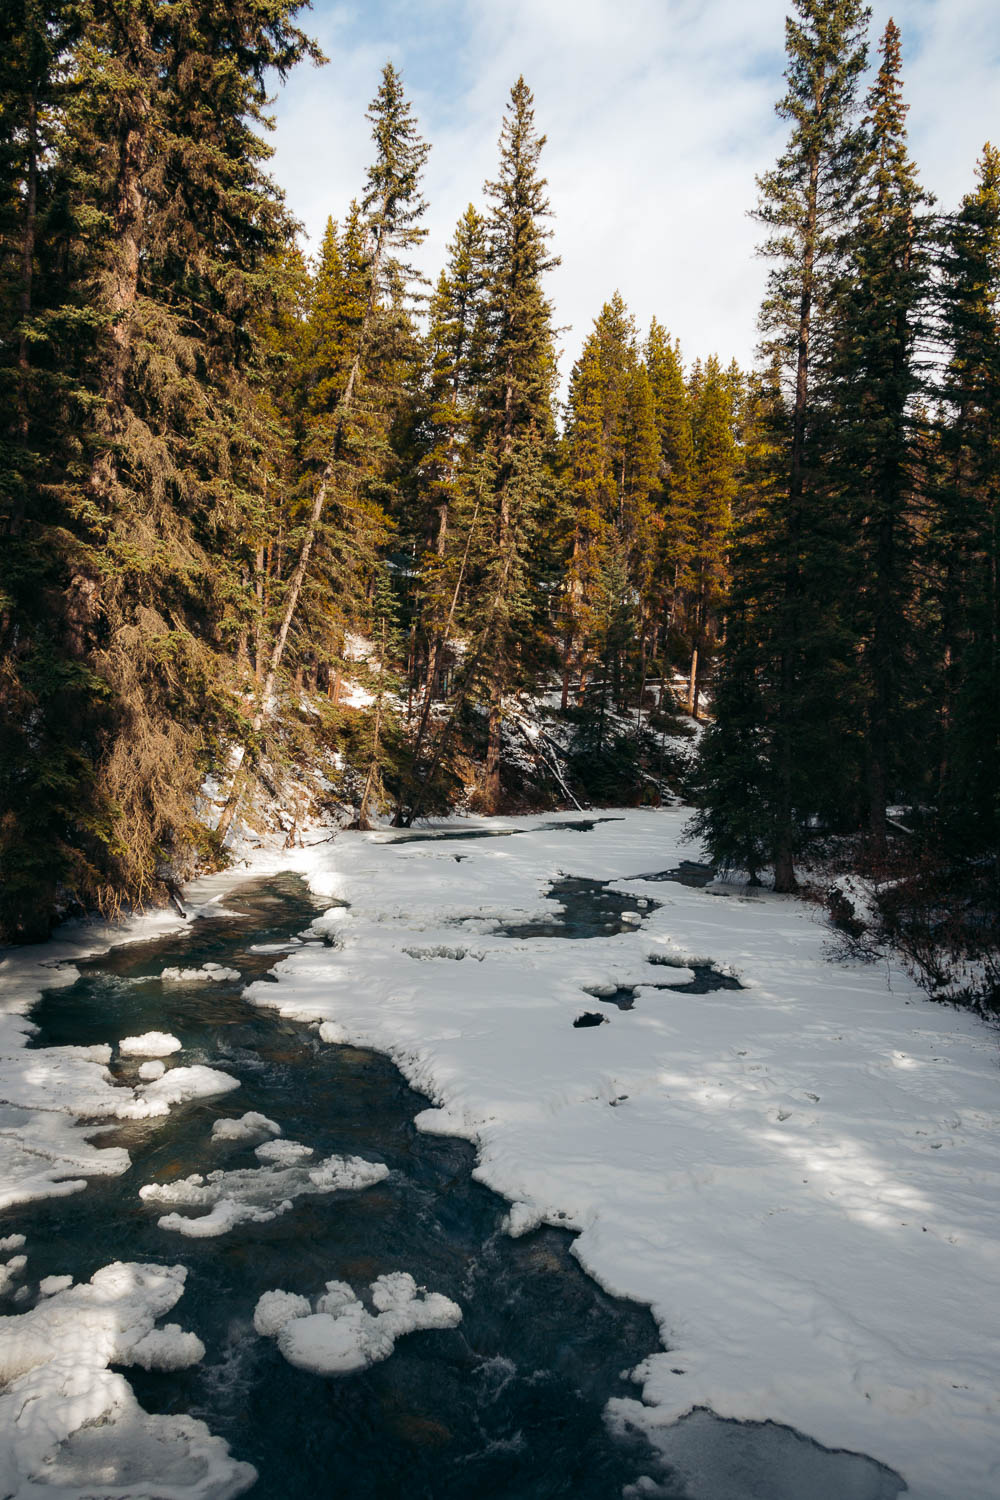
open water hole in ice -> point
(449, 833)
(508, 1404)
(590, 908)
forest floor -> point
(791, 1158)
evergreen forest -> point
(310, 531)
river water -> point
(509, 1403)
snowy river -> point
(492, 1160)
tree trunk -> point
(693, 685)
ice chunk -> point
(208, 973)
(148, 1071)
(247, 1128)
(151, 1044)
(11, 1242)
(50, 1285)
(168, 1348)
(254, 1195)
(74, 1429)
(284, 1152)
(181, 1084)
(341, 1335)
(275, 1309)
(10, 1271)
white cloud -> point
(658, 113)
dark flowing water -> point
(590, 908)
(507, 1404)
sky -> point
(658, 115)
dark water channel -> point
(508, 1404)
(590, 908)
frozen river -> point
(424, 1095)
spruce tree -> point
(965, 531)
(873, 384)
(167, 232)
(388, 228)
(517, 397)
(714, 484)
(800, 636)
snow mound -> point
(148, 1071)
(151, 1044)
(12, 1242)
(75, 1429)
(341, 1335)
(255, 1195)
(248, 1127)
(208, 973)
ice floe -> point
(255, 1195)
(148, 1071)
(339, 1335)
(73, 1429)
(248, 1127)
(151, 1044)
(207, 974)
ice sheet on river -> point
(800, 1177)
(73, 1428)
(255, 1195)
(339, 1335)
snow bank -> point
(255, 1195)
(73, 1428)
(152, 1044)
(799, 1177)
(341, 1335)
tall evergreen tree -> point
(169, 228)
(392, 207)
(518, 392)
(802, 640)
(715, 482)
(966, 528)
(873, 382)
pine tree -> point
(800, 635)
(517, 394)
(674, 499)
(389, 224)
(166, 240)
(714, 484)
(613, 455)
(457, 342)
(965, 533)
(873, 384)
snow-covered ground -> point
(800, 1177)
